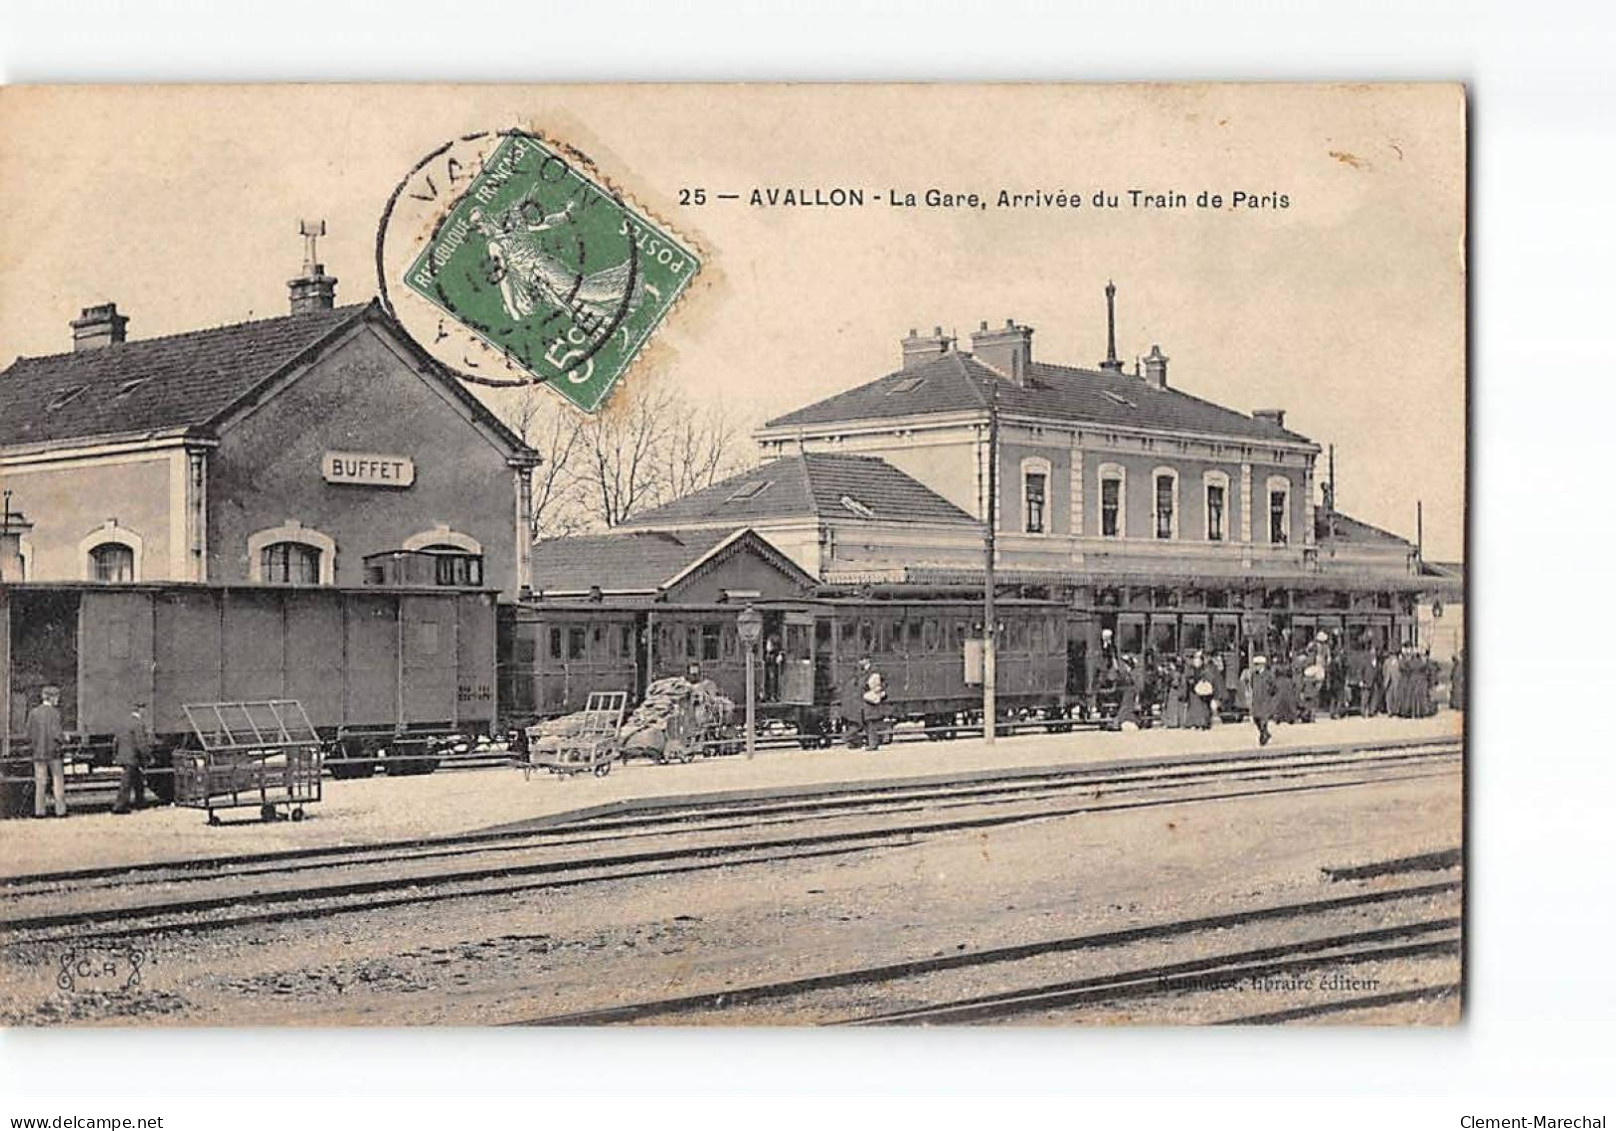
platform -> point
(385, 809)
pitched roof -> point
(155, 384)
(810, 484)
(179, 381)
(957, 382)
(1356, 531)
(637, 561)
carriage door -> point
(797, 674)
(642, 654)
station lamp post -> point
(750, 626)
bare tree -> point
(649, 446)
(554, 430)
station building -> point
(284, 450)
(1174, 522)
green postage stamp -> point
(552, 270)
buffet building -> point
(287, 450)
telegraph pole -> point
(990, 643)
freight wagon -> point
(381, 672)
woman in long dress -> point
(1200, 689)
(1173, 703)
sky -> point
(1346, 308)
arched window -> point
(1035, 514)
(1113, 500)
(111, 553)
(1164, 508)
(289, 563)
(1279, 510)
(292, 554)
(1215, 498)
(112, 561)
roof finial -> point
(311, 230)
(1111, 363)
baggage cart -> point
(590, 745)
(263, 754)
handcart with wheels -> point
(264, 754)
(588, 743)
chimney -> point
(918, 350)
(1274, 416)
(13, 527)
(98, 326)
(314, 289)
(1156, 367)
(1008, 350)
(1111, 363)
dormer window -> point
(907, 385)
(1121, 400)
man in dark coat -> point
(44, 726)
(1264, 693)
(852, 704)
(873, 707)
(134, 743)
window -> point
(1110, 507)
(289, 563)
(1121, 400)
(112, 561)
(709, 641)
(555, 643)
(292, 554)
(64, 397)
(1036, 485)
(1113, 501)
(626, 649)
(576, 642)
(907, 385)
(853, 506)
(748, 490)
(1166, 508)
(1217, 506)
(1279, 510)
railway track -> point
(666, 839)
(1210, 968)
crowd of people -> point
(1294, 685)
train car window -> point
(931, 638)
(626, 641)
(1131, 637)
(1194, 634)
(1018, 634)
(866, 636)
(575, 642)
(883, 635)
(710, 636)
(961, 634)
(555, 643)
(1036, 640)
(598, 642)
(916, 639)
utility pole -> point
(990, 643)
(1419, 532)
